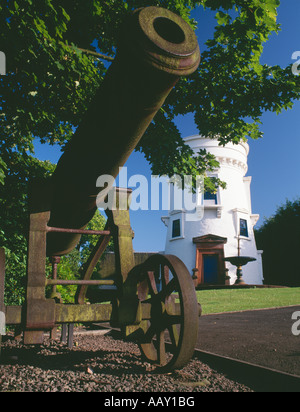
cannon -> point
(155, 301)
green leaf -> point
(223, 18)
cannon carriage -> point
(155, 301)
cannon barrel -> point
(156, 47)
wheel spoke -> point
(174, 335)
(149, 334)
(168, 290)
(173, 320)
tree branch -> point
(99, 55)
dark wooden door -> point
(211, 269)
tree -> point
(58, 52)
(51, 79)
(14, 219)
(279, 239)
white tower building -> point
(203, 244)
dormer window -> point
(176, 228)
(244, 228)
(210, 198)
(212, 201)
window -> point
(176, 232)
(211, 196)
(244, 228)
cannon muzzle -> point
(156, 47)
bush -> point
(279, 238)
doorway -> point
(211, 269)
(210, 264)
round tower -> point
(227, 221)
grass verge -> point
(234, 300)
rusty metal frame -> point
(40, 314)
(91, 264)
(132, 311)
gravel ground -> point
(99, 364)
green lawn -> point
(233, 300)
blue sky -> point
(273, 161)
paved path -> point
(262, 337)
